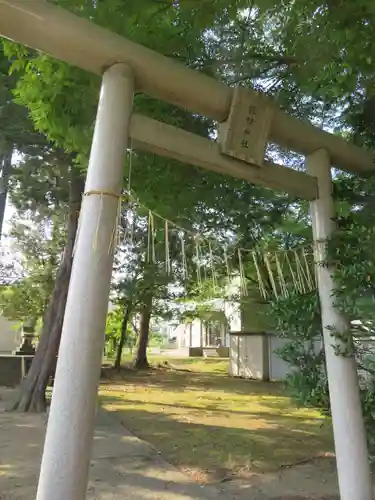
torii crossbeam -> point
(127, 68)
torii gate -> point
(247, 121)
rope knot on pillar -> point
(114, 235)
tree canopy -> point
(314, 58)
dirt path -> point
(123, 466)
(315, 480)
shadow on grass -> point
(140, 470)
(275, 441)
(175, 380)
(210, 408)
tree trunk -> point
(140, 361)
(124, 327)
(5, 167)
(31, 394)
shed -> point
(252, 346)
(252, 355)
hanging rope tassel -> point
(204, 267)
(129, 233)
(227, 266)
(124, 220)
(214, 280)
(262, 288)
(114, 241)
(271, 276)
(127, 197)
(316, 248)
(303, 273)
(294, 278)
(167, 252)
(151, 239)
(183, 255)
(310, 279)
(299, 272)
(198, 262)
(243, 286)
(283, 287)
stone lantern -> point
(26, 347)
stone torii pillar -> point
(348, 426)
(67, 448)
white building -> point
(10, 335)
(207, 326)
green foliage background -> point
(315, 58)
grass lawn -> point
(212, 425)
